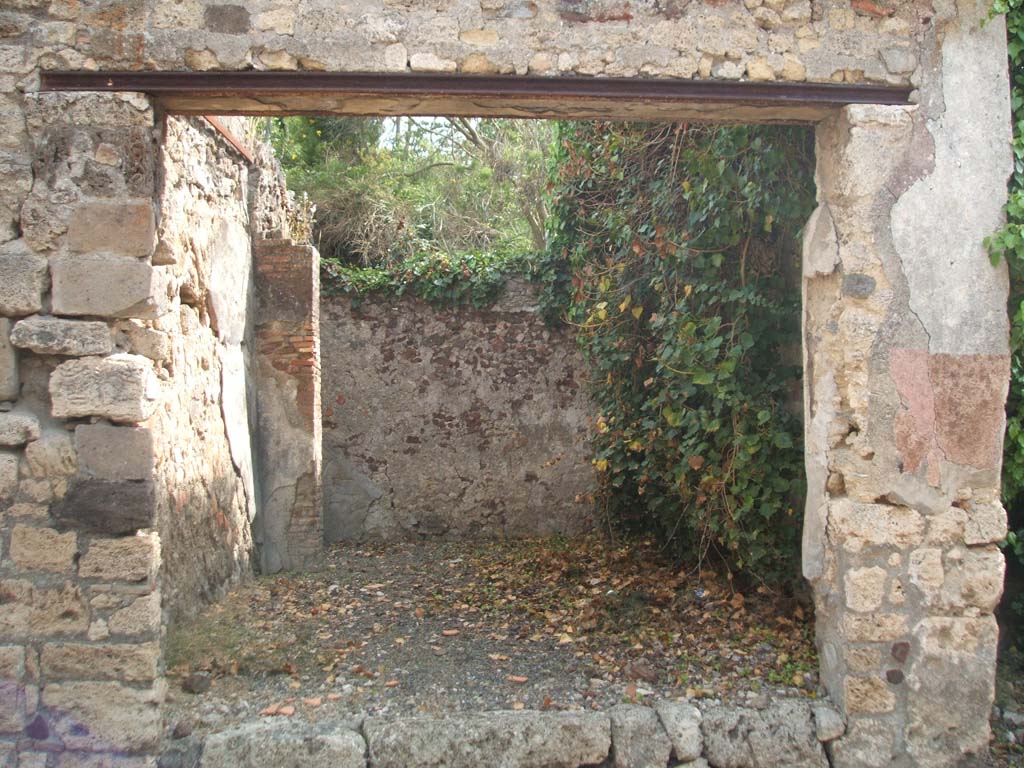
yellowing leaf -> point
(637, 311)
(625, 303)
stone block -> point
(56, 336)
(12, 707)
(782, 734)
(43, 549)
(32, 612)
(12, 662)
(973, 578)
(638, 738)
(16, 429)
(283, 745)
(114, 453)
(985, 524)
(856, 526)
(125, 227)
(510, 739)
(874, 627)
(107, 286)
(140, 617)
(829, 725)
(952, 685)
(10, 386)
(682, 724)
(112, 507)
(868, 695)
(51, 457)
(22, 279)
(104, 716)
(131, 558)
(86, 661)
(865, 588)
(8, 474)
(122, 388)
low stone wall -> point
(451, 422)
(786, 732)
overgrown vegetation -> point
(444, 209)
(678, 266)
(1009, 244)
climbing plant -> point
(672, 251)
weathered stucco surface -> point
(442, 422)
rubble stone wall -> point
(204, 347)
(451, 422)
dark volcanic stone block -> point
(107, 506)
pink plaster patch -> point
(953, 409)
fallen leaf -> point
(391, 684)
(517, 679)
(517, 705)
(334, 697)
(286, 711)
(449, 632)
(316, 701)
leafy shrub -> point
(441, 279)
(672, 251)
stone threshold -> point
(788, 732)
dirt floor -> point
(439, 627)
(455, 626)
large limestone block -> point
(104, 716)
(9, 383)
(22, 279)
(282, 745)
(126, 227)
(114, 453)
(31, 612)
(638, 738)
(783, 734)
(499, 739)
(131, 558)
(682, 724)
(120, 387)
(56, 336)
(108, 286)
(135, 663)
(43, 549)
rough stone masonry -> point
(134, 374)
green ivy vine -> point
(672, 251)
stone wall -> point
(451, 422)
(906, 369)
(202, 348)
(80, 580)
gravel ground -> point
(429, 628)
